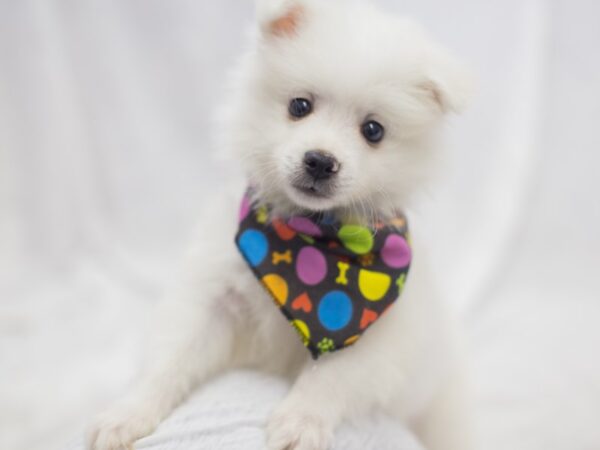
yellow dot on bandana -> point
(302, 328)
(277, 286)
(357, 239)
(373, 285)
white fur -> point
(354, 62)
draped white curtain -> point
(105, 136)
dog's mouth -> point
(312, 191)
(312, 195)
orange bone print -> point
(282, 257)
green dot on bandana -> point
(357, 239)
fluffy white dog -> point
(336, 108)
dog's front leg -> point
(326, 392)
(192, 342)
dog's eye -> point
(300, 107)
(373, 131)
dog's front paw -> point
(298, 430)
(118, 429)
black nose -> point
(320, 165)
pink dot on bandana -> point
(304, 226)
(244, 208)
(396, 252)
(311, 266)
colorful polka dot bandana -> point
(332, 281)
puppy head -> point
(337, 106)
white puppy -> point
(366, 94)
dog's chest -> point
(249, 301)
(265, 336)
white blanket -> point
(230, 414)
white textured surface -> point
(105, 110)
(230, 413)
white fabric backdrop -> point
(105, 125)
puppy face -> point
(337, 106)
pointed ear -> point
(447, 82)
(280, 17)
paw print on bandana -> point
(326, 345)
(366, 260)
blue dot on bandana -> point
(335, 310)
(254, 246)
